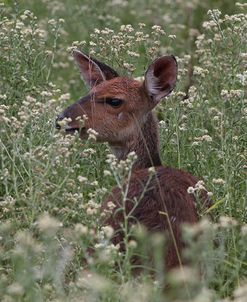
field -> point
(51, 185)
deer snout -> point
(71, 119)
(65, 122)
(58, 121)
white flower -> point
(244, 230)
(15, 289)
(107, 173)
(191, 190)
(218, 181)
(92, 134)
(111, 205)
(108, 231)
(82, 179)
(226, 222)
(81, 229)
(47, 224)
(132, 244)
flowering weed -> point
(52, 246)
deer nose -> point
(58, 119)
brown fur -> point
(165, 204)
(163, 208)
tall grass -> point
(52, 185)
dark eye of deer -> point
(114, 102)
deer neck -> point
(145, 143)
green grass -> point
(50, 214)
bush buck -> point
(119, 109)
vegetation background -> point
(52, 186)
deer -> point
(120, 110)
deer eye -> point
(114, 102)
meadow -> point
(51, 185)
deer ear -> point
(92, 71)
(160, 78)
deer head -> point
(116, 106)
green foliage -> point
(52, 185)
